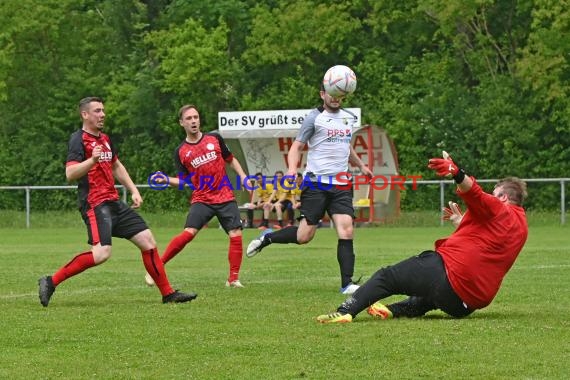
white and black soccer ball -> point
(339, 81)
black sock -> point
(284, 236)
(346, 259)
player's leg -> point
(414, 276)
(144, 240)
(301, 234)
(198, 216)
(411, 307)
(130, 225)
(177, 243)
(229, 218)
(99, 226)
(445, 299)
(341, 211)
(345, 252)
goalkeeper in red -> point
(201, 161)
(463, 272)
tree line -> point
(486, 80)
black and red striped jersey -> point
(203, 164)
(98, 185)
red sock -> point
(235, 254)
(176, 245)
(77, 265)
(155, 268)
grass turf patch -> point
(105, 323)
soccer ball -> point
(339, 80)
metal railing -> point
(442, 185)
(562, 182)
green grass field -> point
(105, 323)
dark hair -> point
(185, 108)
(514, 188)
(84, 103)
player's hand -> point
(453, 213)
(366, 171)
(137, 200)
(291, 173)
(249, 184)
(96, 153)
(159, 178)
(444, 167)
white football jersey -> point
(328, 137)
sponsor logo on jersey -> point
(203, 159)
(339, 132)
(106, 156)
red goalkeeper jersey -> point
(481, 251)
(98, 185)
(203, 164)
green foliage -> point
(487, 80)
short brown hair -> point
(514, 188)
(83, 103)
(184, 108)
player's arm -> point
(180, 169)
(293, 157)
(356, 161)
(75, 171)
(236, 166)
(77, 167)
(121, 174)
(445, 167)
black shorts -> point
(318, 198)
(112, 219)
(201, 213)
(424, 276)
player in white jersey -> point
(327, 131)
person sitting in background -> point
(263, 194)
(277, 196)
(290, 199)
(255, 203)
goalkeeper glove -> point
(445, 167)
(453, 213)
